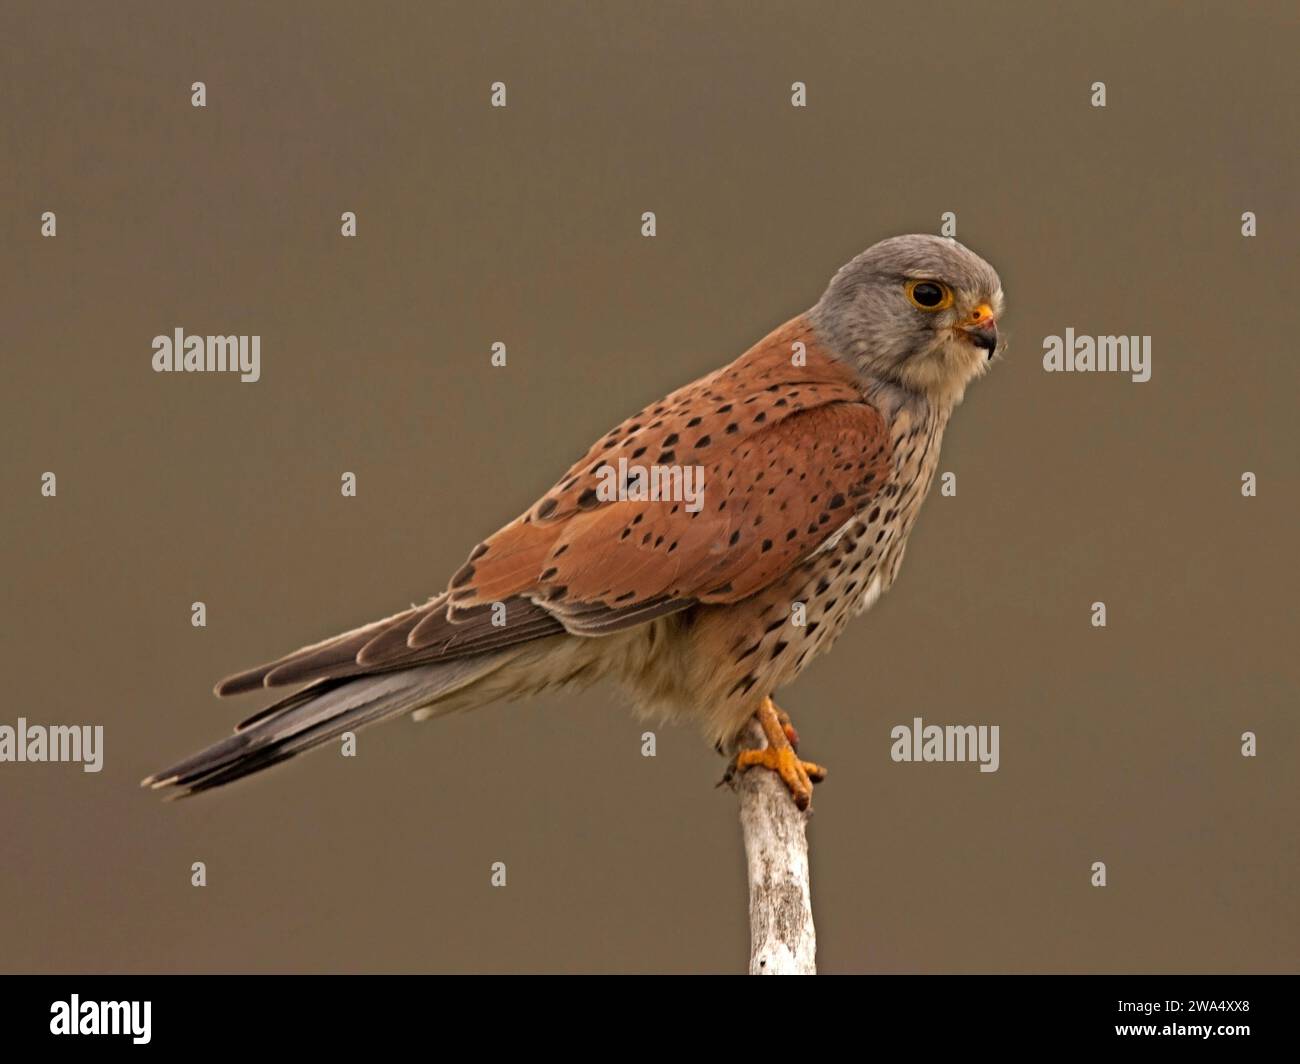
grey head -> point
(919, 312)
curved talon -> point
(798, 776)
(780, 756)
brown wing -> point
(788, 450)
(788, 453)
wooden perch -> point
(781, 935)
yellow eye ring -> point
(928, 295)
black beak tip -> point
(986, 339)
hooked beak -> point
(981, 329)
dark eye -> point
(929, 295)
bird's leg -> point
(780, 755)
(787, 726)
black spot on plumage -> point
(463, 576)
(547, 574)
(547, 507)
(478, 552)
(588, 499)
(735, 538)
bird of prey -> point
(816, 448)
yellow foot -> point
(780, 756)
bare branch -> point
(782, 938)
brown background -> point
(522, 225)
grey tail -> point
(315, 715)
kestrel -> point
(815, 449)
